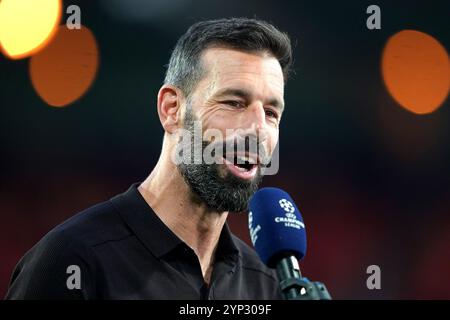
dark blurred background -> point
(371, 178)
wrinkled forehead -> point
(254, 71)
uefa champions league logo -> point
(290, 220)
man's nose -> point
(255, 121)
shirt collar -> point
(154, 234)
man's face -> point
(241, 96)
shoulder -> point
(93, 226)
(90, 227)
(43, 271)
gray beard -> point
(219, 194)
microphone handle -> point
(294, 286)
(288, 268)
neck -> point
(172, 200)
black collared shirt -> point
(120, 249)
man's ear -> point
(169, 107)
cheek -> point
(218, 121)
(272, 140)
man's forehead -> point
(226, 66)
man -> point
(167, 237)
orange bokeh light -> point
(416, 71)
(64, 70)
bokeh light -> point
(27, 26)
(416, 71)
(63, 71)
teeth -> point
(242, 160)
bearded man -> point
(167, 237)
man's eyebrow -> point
(241, 93)
(244, 94)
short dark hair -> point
(243, 34)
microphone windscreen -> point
(276, 226)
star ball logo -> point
(290, 219)
(287, 205)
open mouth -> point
(242, 166)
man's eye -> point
(271, 114)
(233, 103)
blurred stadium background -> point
(367, 162)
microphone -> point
(278, 235)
